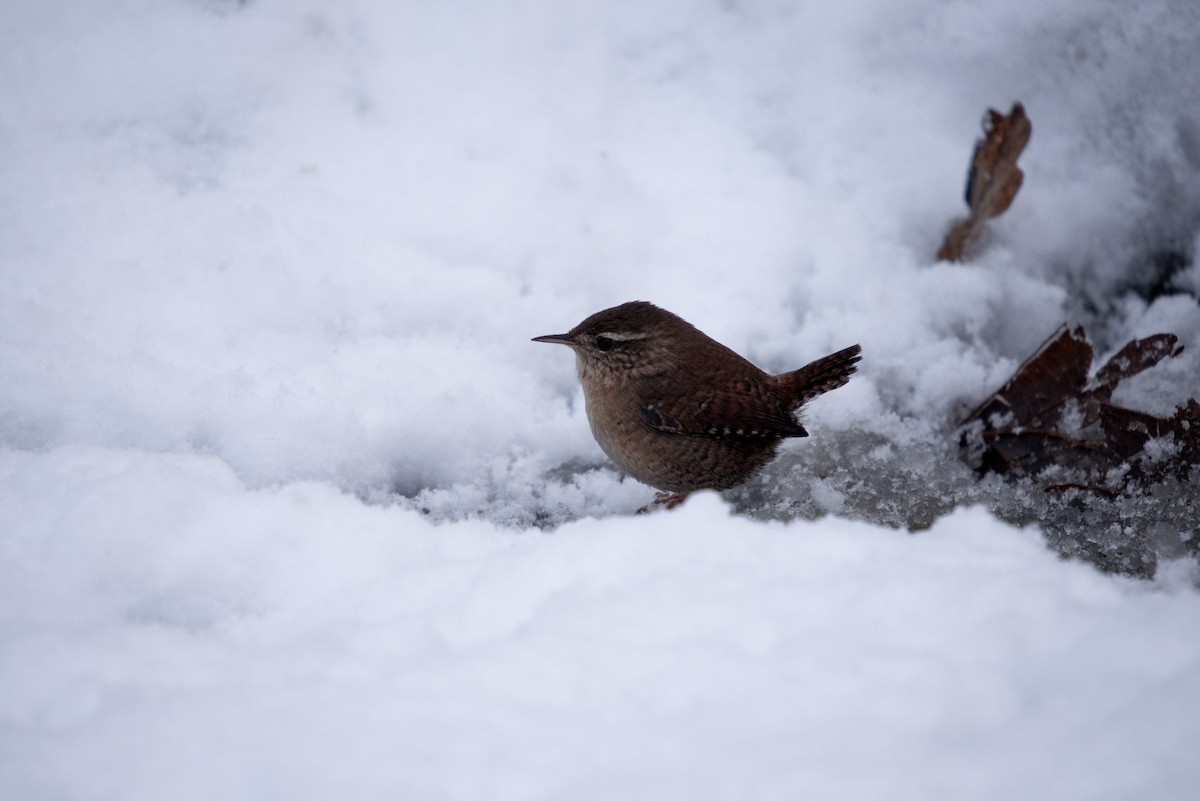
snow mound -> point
(171, 633)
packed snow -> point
(290, 507)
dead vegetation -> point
(1053, 428)
(1052, 422)
(993, 178)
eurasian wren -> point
(678, 410)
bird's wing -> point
(747, 406)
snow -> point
(291, 507)
(211, 639)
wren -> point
(678, 410)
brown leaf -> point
(1135, 357)
(1127, 432)
(1048, 414)
(993, 178)
(962, 234)
(1056, 372)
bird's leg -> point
(667, 500)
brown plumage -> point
(678, 410)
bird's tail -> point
(820, 376)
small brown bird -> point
(678, 410)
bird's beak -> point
(558, 339)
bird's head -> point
(631, 340)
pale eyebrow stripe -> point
(623, 336)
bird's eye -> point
(605, 343)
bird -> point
(679, 411)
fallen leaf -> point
(1050, 415)
(993, 178)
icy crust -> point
(866, 477)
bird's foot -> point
(666, 500)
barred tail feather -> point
(820, 376)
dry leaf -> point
(993, 178)
(1050, 415)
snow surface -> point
(291, 507)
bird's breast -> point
(613, 415)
